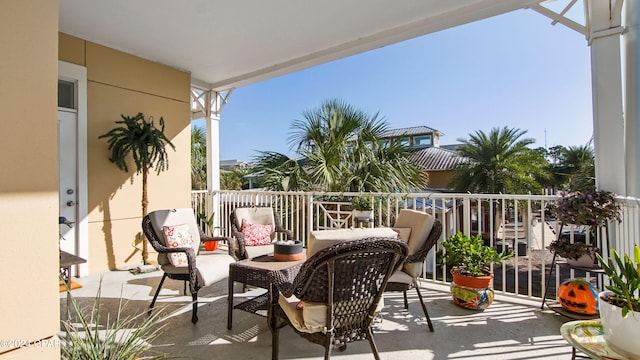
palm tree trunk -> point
(145, 204)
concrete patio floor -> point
(510, 329)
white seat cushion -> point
(256, 215)
(258, 250)
(211, 267)
(400, 277)
(313, 316)
(322, 239)
(161, 218)
(421, 224)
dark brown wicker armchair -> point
(258, 215)
(200, 270)
(425, 232)
(341, 289)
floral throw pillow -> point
(256, 234)
(178, 236)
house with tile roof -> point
(424, 142)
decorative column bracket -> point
(208, 103)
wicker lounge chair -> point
(255, 215)
(199, 270)
(341, 289)
(425, 232)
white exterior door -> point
(68, 182)
(72, 162)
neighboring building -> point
(438, 161)
(230, 165)
(414, 136)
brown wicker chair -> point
(257, 215)
(201, 270)
(341, 284)
(425, 232)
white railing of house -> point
(526, 227)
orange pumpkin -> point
(579, 295)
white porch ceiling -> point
(226, 44)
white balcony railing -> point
(525, 225)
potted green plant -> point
(591, 209)
(470, 261)
(576, 254)
(209, 229)
(362, 208)
(620, 304)
(139, 137)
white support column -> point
(608, 121)
(631, 96)
(208, 104)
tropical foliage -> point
(624, 275)
(591, 208)
(499, 162)
(470, 255)
(198, 159)
(338, 148)
(89, 336)
(572, 168)
(146, 144)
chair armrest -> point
(282, 282)
(287, 233)
(204, 238)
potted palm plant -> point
(136, 136)
(620, 304)
(470, 261)
(589, 209)
(362, 208)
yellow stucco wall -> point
(29, 302)
(439, 179)
(119, 83)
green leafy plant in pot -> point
(362, 207)
(470, 261)
(620, 304)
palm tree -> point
(338, 150)
(146, 144)
(499, 162)
(198, 159)
(578, 165)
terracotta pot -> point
(210, 245)
(621, 334)
(474, 282)
(472, 292)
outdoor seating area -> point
(511, 329)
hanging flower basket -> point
(592, 208)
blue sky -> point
(513, 70)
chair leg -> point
(406, 302)
(275, 341)
(372, 343)
(194, 312)
(424, 308)
(153, 302)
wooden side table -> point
(66, 262)
(255, 272)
